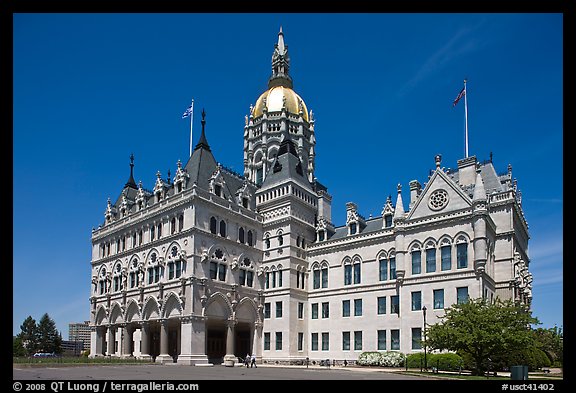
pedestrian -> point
(253, 361)
(247, 360)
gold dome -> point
(275, 98)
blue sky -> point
(90, 89)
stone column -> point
(95, 339)
(257, 340)
(164, 357)
(126, 341)
(230, 358)
(145, 338)
(192, 341)
(110, 341)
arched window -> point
(280, 239)
(117, 279)
(241, 235)
(102, 287)
(181, 223)
(250, 239)
(134, 276)
(213, 225)
(159, 230)
(267, 241)
(223, 228)
(154, 270)
(173, 225)
(175, 264)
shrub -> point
(392, 359)
(369, 358)
(416, 360)
(446, 361)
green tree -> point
(18, 349)
(483, 332)
(49, 340)
(551, 342)
(29, 335)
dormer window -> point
(218, 190)
(245, 203)
(321, 235)
(388, 220)
(353, 227)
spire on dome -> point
(280, 64)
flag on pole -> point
(460, 95)
(188, 111)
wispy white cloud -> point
(461, 43)
(549, 251)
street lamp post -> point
(425, 360)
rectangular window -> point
(430, 260)
(316, 279)
(314, 310)
(438, 299)
(325, 341)
(267, 285)
(395, 304)
(345, 308)
(345, 341)
(347, 274)
(358, 340)
(325, 277)
(178, 269)
(249, 278)
(280, 277)
(273, 279)
(416, 262)
(314, 341)
(357, 278)
(416, 301)
(300, 341)
(242, 277)
(300, 310)
(278, 341)
(326, 310)
(222, 272)
(170, 271)
(388, 220)
(266, 310)
(383, 270)
(382, 305)
(416, 338)
(266, 341)
(278, 309)
(357, 307)
(462, 255)
(462, 295)
(446, 256)
(395, 339)
(393, 268)
(381, 340)
(213, 270)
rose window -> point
(438, 200)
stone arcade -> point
(211, 265)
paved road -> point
(190, 373)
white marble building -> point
(210, 265)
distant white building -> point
(80, 332)
(210, 265)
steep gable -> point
(440, 196)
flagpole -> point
(466, 116)
(191, 122)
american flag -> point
(460, 95)
(188, 111)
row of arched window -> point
(138, 237)
(438, 257)
(135, 274)
(244, 236)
